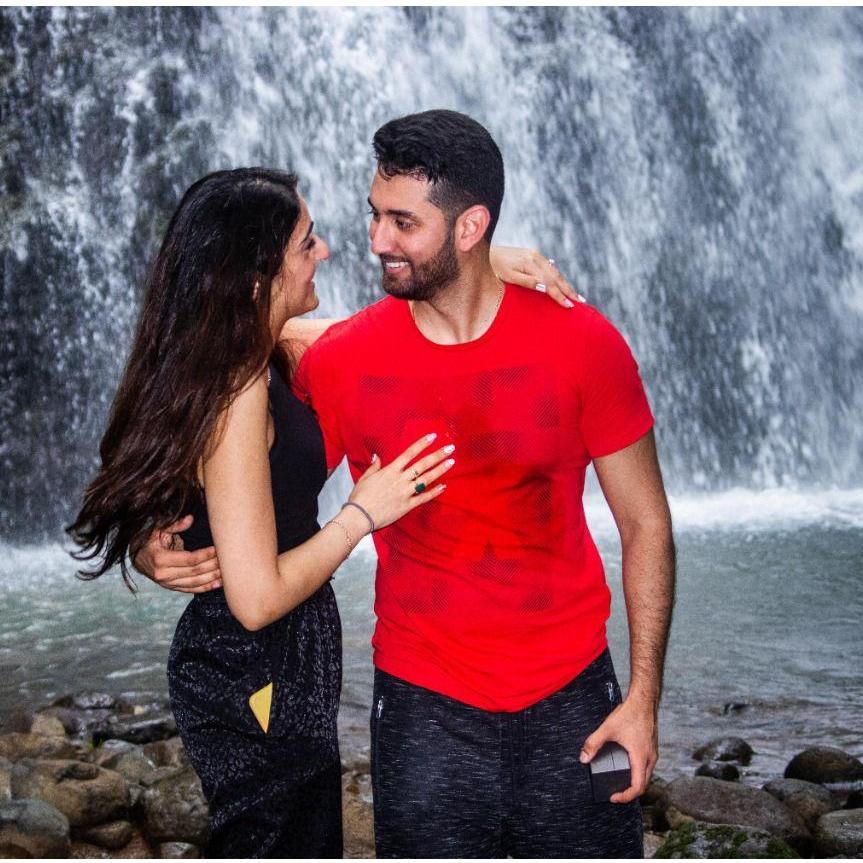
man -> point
(493, 683)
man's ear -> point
(470, 227)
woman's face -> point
(293, 291)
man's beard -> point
(428, 278)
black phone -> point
(610, 772)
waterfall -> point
(695, 172)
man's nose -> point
(323, 249)
(381, 237)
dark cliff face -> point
(693, 171)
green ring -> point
(420, 487)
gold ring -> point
(415, 475)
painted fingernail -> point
(374, 457)
(450, 447)
(431, 437)
(541, 287)
(568, 303)
(449, 462)
(581, 299)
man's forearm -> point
(648, 586)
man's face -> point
(411, 237)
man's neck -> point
(463, 310)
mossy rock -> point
(701, 841)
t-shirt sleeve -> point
(615, 412)
(315, 385)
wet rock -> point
(854, 801)
(357, 761)
(79, 723)
(175, 810)
(84, 793)
(357, 817)
(823, 764)
(724, 770)
(654, 804)
(731, 707)
(167, 753)
(652, 843)
(17, 745)
(5, 780)
(137, 729)
(113, 835)
(806, 799)
(87, 701)
(137, 848)
(840, 834)
(131, 763)
(32, 828)
(720, 802)
(725, 749)
(157, 774)
(704, 841)
(179, 851)
(47, 726)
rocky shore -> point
(100, 777)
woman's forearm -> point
(296, 574)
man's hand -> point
(633, 726)
(163, 560)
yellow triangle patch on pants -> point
(260, 702)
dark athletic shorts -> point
(451, 780)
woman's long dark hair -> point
(203, 334)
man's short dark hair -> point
(453, 152)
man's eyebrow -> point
(403, 213)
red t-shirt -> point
(494, 593)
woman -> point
(205, 421)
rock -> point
(157, 774)
(137, 729)
(137, 848)
(32, 828)
(17, 745)
(721, 802)
(167, 753)
(5, 780)
(357, 817)
(703, 841)
(175, 810)
(87, 701)
(725, 749)
(734, 707)
(132, 764)
(48, 726)
(113, 835)
(806, 799)
(840, 833)
(652, 843)
(854, 801)
(719, 770)
(84, 793)
(79, 722)
(654, 803)
(179, 851)
(110, 750)
(357, 761)
(81, 850)
(823, 764)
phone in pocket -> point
(610, 772)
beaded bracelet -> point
(363, 510)
(347, 533)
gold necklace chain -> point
(487, 320)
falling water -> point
(693, 171)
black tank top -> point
(298, 470)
